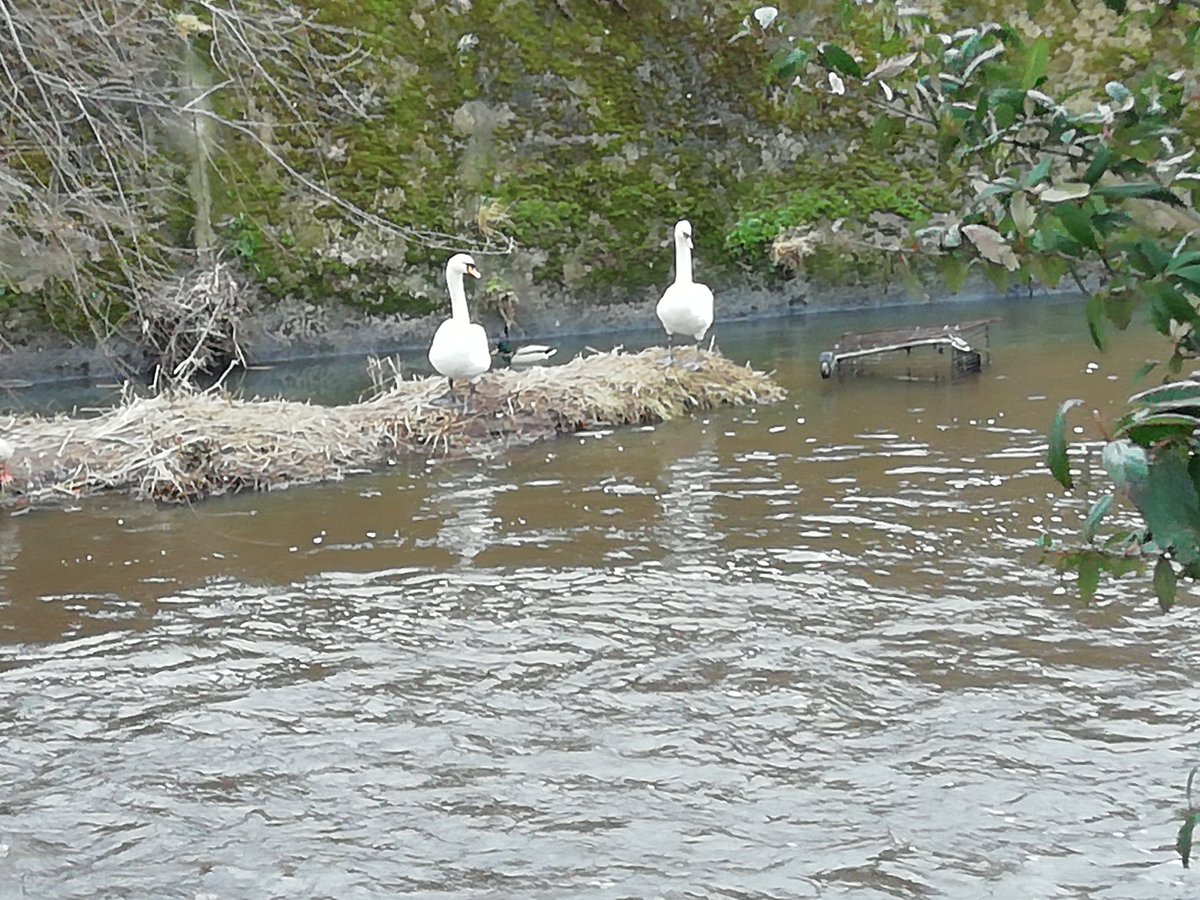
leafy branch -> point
(1097, 187)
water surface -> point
(799, 650)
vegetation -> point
(1098, 186)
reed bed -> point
(185, 446)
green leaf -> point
(1168, 502)
(1188, 273)
(1056, 454)
(1169, 396)
(838, 59)
(1146, 430)
(1098, 165)
(1149, 366)
(1183, 841)
(1077, 224)
(1098, 511)
(1119, 308)
(954, 272)
(1048, 270)
(1151, 258)
(786, 65)
(1170, 303)
(1144, 190)
(1125, 462)
(1182, 260)
(1036, 58)
(1164, 583)
(1095, 313)
(1039, 172)
(1089, 577)
(1067, 190)
(1023, 215)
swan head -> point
(683, 232)
(461, 264)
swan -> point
(459, 348)
(524, 356)
(686, 307)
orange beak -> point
(472, 271)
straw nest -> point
(183, 447)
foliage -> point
(1099, 187)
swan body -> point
(460, 347)
(526, 355)
(686, 307)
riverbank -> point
(291, 331)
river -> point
(802, 650)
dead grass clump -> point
(181, 447)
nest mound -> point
(184, 447)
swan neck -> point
(683, 260)
(458, 297)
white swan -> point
(686, 307)
(459, 348)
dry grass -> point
(185, 447)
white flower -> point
(467, 43)
(836, 84)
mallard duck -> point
(460, 347)
(686, 307)
(524, 356)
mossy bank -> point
(570, 133)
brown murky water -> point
(801, 650)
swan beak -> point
(472, 271)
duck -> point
(686, 307)
(460, 347)
(524, 356)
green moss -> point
(850, 192)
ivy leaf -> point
(1164, 584)
(1056, 454)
